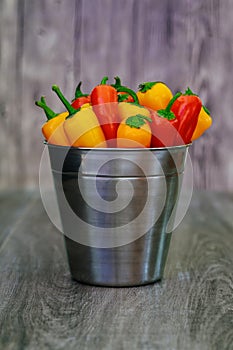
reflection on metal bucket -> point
(115, 205)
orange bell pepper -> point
(134, 131)
(53, 129)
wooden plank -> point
(41, 307)
(204, 258)
(8, 96)
(106, 41)
(13, 206)
(35, 50)
(47, 59)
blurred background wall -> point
(183, 43)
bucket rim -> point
(118, 149)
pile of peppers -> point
(112, 115)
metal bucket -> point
(131, 257)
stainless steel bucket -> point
(151, 176)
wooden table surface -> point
(42, 308)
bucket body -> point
(123, 200)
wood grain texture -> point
(192, 308)
(13, 206)
(182, 43)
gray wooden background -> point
(183, 43)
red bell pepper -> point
(186, 108)
(164, 126)
(80, 98)
(124, 93)
(104, 101)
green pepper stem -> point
(117, 81)
(144, 87)
(189, 92)
(206, 110)
(163, 113)
(66, 103)
(121, 88)
(104, 81)
(167, 113)
(128, 91)
(50, 114)
(122, 98)
(174, 98)
(78, 92)
(136, 121)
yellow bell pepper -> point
(127, 109)
(155, 95)
(81, 126)
(53, 129)
(204, 122)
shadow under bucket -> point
(115, 206)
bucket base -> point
(145, 283)
(131, 265)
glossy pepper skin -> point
(204, 122)
(53, 129)
(124, 93)
(154, 95)
(164, 126)
(186, 109)
(104, 101)
(134, 131)
(127, 109)
(80, 98)
(81, 127)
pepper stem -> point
(104, 81)
(163, 113)
(122, 98)
(50, 114)
(167, 113)
(189, 92)
(121, 88)
(144, 87)
(206, 110)
(66, 103)
(136, 121)
(174, 98)
(117, 81)
(78, 92)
